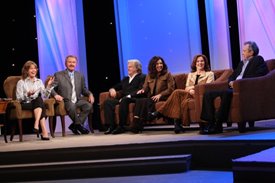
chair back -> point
(10, 86)
(270, 64)
(222, 75)
(180, 80)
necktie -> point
(73, 89)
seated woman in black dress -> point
(29, 91)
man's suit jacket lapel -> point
(238, 70)
(250, 67)
(77, 82)
(66, 75)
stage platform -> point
(155, 151)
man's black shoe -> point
(81, 129)
(109, 131)
(118, 130)
(212, 129)
(178, 128)
(73, 129)
(219, 127)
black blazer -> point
(125, 88)
(255, 68)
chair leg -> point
(63, 125)
(5, 137)
(242, 127)
(5, 129)
(20, 130)
(13, 128)
(90, 121)
(229, 124)
(51, 126)
(251, 124)
(54, 123)
(5, 133)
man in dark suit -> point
(123, 94)
(252, 65)
(69, 87)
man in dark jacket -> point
(123, 94)
(252, 65)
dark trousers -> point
(85, 109)
(208, 112)
(109, 110)
(143, 107)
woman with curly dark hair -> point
(158, 85)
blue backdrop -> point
(158, 27)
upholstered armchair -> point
(252, 100)
(180, 80)
(59, 110)
(14, 109)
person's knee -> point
(70, 107)
(177, 92)
(89, 106)
(108, 103)
(125, 101)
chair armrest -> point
(201, 89)
(14, 109)
(102, 97)
(256, 96)
(87, 99)
(60, 108)
(224, 76)
(199, 92)
(49, 103)
(217, 85)
(214, 86)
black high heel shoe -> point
(35, 130)
(44, 138)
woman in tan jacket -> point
(176, 105)
(158, 85)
